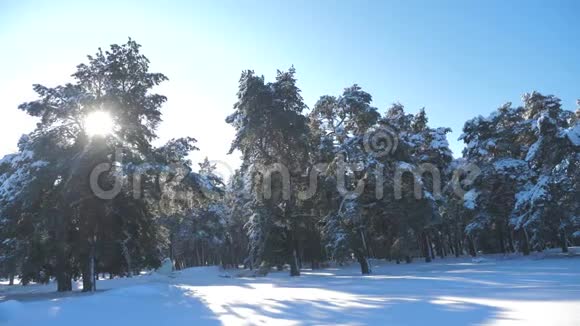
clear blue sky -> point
(459, 59)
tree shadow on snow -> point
(391, 312)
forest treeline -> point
(339, 181)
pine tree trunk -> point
(457, 236)
(440, 246)
(197, 257)
(87, 281)
(294, 264)
(300, 255)
(87, 275)
(461, 245)
(62, 266)
(450, 247)
(126, 254)
(526, 245)
(511, 247)
(88, 269)
(292, 237)
(426, 248)
(294, 271)
(500, 234)
(171, 253)
(62, 270)
(471, 245)
(64, 282)
(11, 279)
(315, 264)
(564, 242)
(92, 272)
(364, 242)
(317, 254)
(364, 264)
(431, 249)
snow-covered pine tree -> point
(235, 200)
(341, 124)
(496, 145)
(524, 156)
(23, 231)
(84, 229)
(272, 134)
(547, 205)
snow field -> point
(543, 289)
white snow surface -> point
(542, 289)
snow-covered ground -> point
(495, 290)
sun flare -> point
(98, 123)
